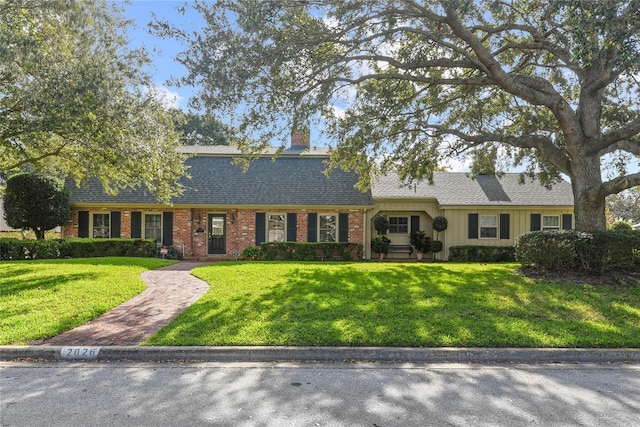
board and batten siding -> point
(457, 233)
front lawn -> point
(392, 304)
(40, 299)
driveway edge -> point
(321, 354)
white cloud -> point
(168, 98)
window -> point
(327, 228)
(276, 228)
(399, 225)
(488, 226)
(153, 227)
(550, 222)
(101, 225)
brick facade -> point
(190, 227)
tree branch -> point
(619, 184)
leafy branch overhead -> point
(74, 101)
(549, 85)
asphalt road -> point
(359, 394)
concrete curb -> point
(321, 354)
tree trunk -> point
(39, 233)
(589, 203)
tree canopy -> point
(200, 129)
(625, 206)
(74, 100)
(552, 86)
(33, 201)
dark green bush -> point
(293, 251)
(593, 253)
(15, 249)
(172, 253)
(252, 252)
(482, 254)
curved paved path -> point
(170, 290)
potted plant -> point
(381, 224)
(440, 223)
(380, 245)
(420, 242)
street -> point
(357, 394)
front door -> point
(217, 234)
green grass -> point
(40, 299)
(389, 304)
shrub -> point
(621, 226)
(381, 224)
(252, 252)
(172, 253)
(293, 251)
(593, 253)
(380, 244)
(15, 249)
(482, 254)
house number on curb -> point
(87, 353)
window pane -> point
(398, 224)
(327, 229)
(276, 227)
(551, 221)
(101, 226)
(153, 227)
(488, 226)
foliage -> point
(420, 241)
(569, 250)
(15, 249)
(436, 246)
(41, 299)
(200, 129)
(36, 202)
(625, 206)
(75, 100)
(621, 226)
(380, 244)
(324, 251)
(482, 254)
(440, 223)
(550, 86)
(172, 253)
(381, 224)
(400, 304)
(252, 252)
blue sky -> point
(161, 51)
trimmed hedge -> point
(482, 254)
(592, 253)
(293, 251)
(16, 249)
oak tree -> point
(552, 86)
(75, 101)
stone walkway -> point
(170, 290)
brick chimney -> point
(300, 139)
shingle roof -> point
(289, 180)
(451, 189)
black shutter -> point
(535, 222)
(343, 227)
(567, 221)
(115, 224)
(136, 225)
(473, 226)
(260, 228)
(504, 226)
(292, 226)
(415, 223)
(167, 228)
(83, 224)
(312, 227)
